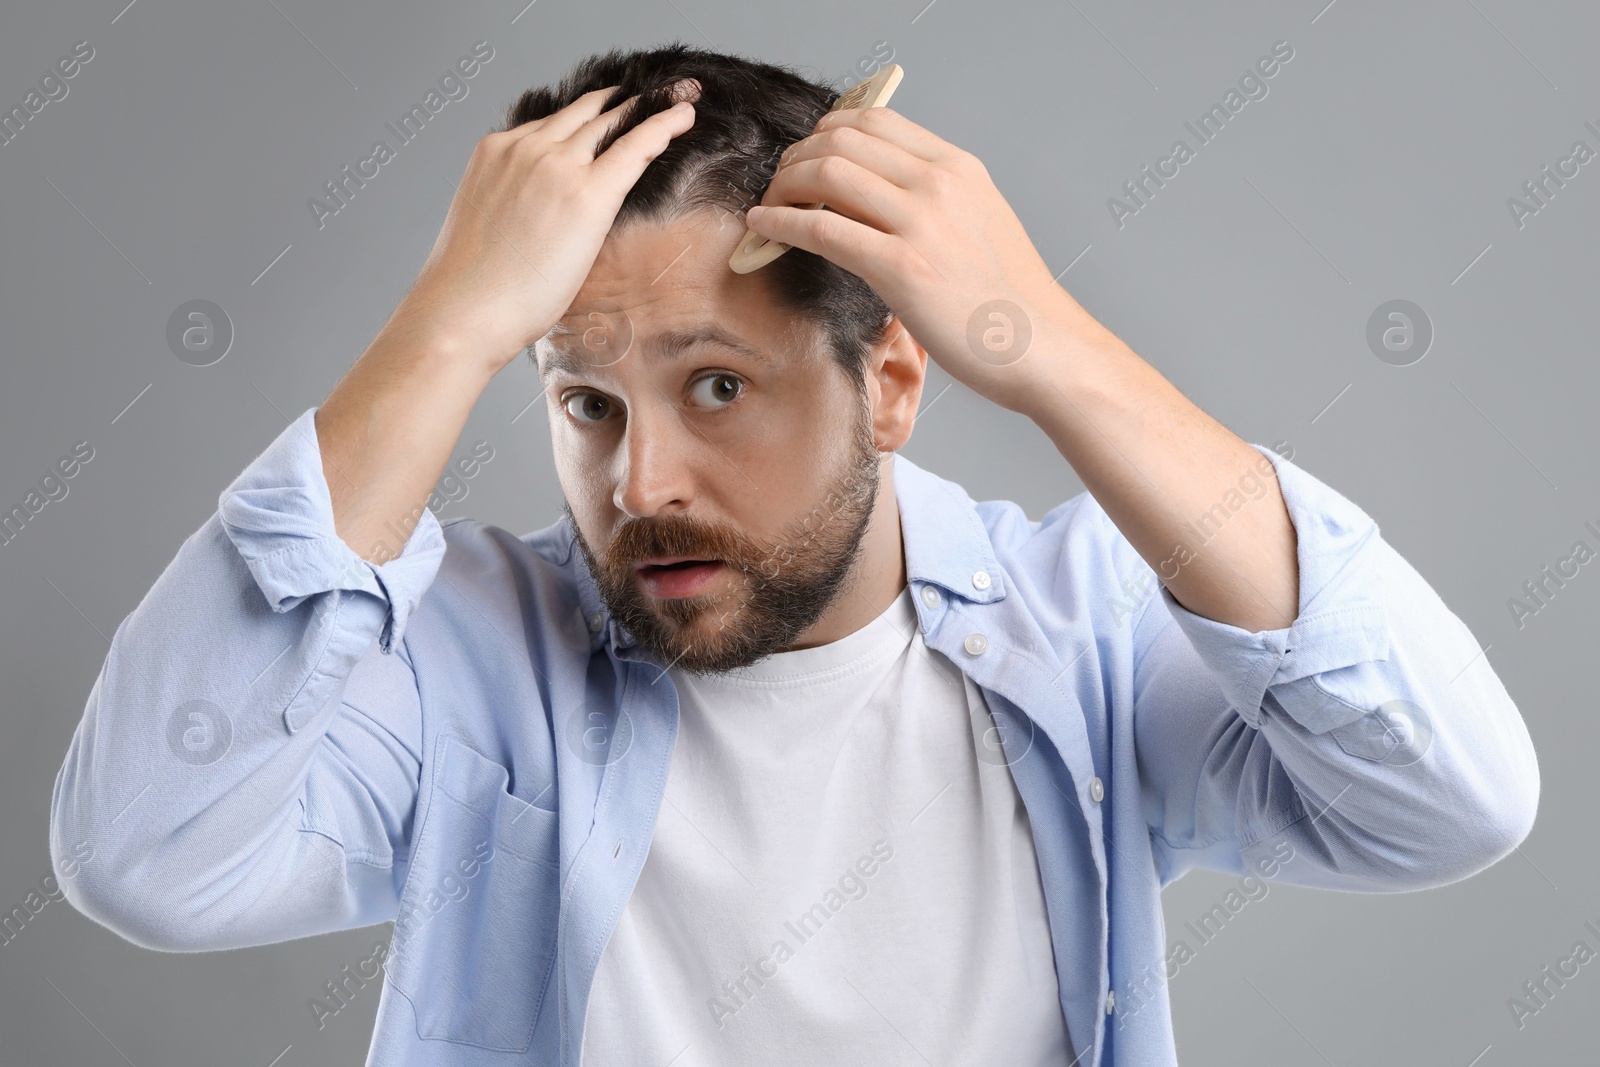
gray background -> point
(1378, 167)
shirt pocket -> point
(475, 937)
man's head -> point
(701, 414)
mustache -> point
(674, 535)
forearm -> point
(387, 429)
(1199, 504)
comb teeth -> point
(851, 98)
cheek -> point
(801, 441)
(583, 475)
(795, 499)
(589, 493)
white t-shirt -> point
(835, 876)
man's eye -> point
(716, 390)
(587, 407)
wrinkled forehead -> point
(606, 336)
(663, 290)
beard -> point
(776, 589)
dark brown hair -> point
(747, 113)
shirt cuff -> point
(279, 515)
(1341, 620)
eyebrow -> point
(668, 345)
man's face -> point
(672, 442)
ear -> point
(895, 373)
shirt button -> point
(976, 643)
(1097, 790)
(1111, 1001)
(930, 596)
(980, 580)
(596, 621)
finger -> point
(626, 159)
(590, 133)
(594, 130)
(856, 247)
(686, 89)
(845, 186)
(882, 157)
(889, 125)
(560, 124)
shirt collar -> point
(945, 542)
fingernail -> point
(680, 104)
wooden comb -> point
(756, 251)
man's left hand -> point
(920, 221)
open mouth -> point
(680, 578)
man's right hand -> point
(525, 227)
(528, 220)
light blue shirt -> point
(285, 739)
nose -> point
(655, 477)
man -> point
(776, 748)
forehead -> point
(660, 290)
(610, 336)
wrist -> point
(447, 345)
(1067, 364)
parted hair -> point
(747, 113)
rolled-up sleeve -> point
(279, 515)
(1371, 733)
(246, 766)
